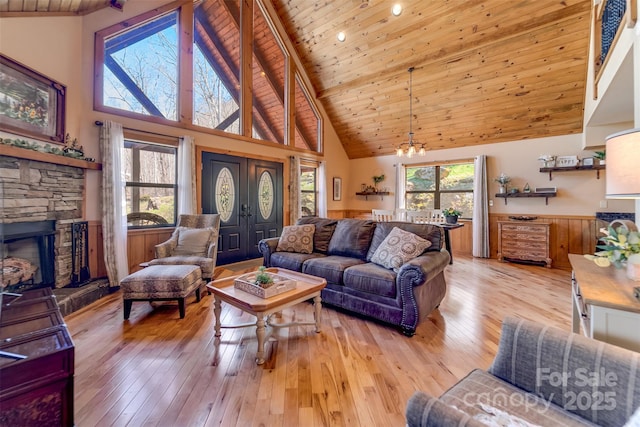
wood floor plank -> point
(159, 370)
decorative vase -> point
(451, 219)
(633, 267)
(503, 189)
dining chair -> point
(383, 215)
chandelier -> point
(410, 146)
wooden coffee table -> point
(263, 308)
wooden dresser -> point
(603, 303)
(524, 241)
(36, 390)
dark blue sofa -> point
(342, 253)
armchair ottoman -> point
(161, 283)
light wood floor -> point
(157, 369)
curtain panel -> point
(186, 176)
(114, 214)
(480, 230)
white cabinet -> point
(603, 304)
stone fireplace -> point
(36, 194)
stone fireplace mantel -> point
(23, 153)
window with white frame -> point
(440, 186)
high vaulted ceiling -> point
(485, 71)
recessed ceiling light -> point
(396, 9)
(342, 36)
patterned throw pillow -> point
(399, 247)
(297, 238)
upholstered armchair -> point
(193, 242)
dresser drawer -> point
(531, 228)
(513, 236)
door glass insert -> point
(225, 194)
(265, 194)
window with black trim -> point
(440, 187)
(151, 188)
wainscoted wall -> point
(569, 234)
(140, 247)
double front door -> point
(247, 193)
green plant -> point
(263, 279)
(620, 245)
(451, 212)
(503, 179)
(600, 155)
(378, 179)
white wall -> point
(579, 192)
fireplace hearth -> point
(34, 243)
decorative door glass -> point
(265, 194)
(225, 194)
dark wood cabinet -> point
(36, 390)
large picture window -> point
(144, 71)
(151, 189)
(440, 187)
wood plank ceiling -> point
(486, 71)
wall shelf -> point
(596, 168)
(506, 196)
(372, 193)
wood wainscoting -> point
(568, 234)
(140, 247)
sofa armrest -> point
(426, 266)
(424, 410)
(165, 249)
(597, 381)
(421, 285)
(266, 248)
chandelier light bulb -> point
(399, 152)
(342, 36)
(422, 151)
(411, 151)
(396, 10)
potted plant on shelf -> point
(601, 156)
(503, 180)
(377, 180)
(451, 215)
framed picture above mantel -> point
(31, 104)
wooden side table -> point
(604, 304)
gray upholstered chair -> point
(542, 376)
(193, 242)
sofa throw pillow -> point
(352, 238)
(297, 238)
(324, 231)
(193, 241)
(399, 247)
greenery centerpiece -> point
(620, 244)
(263, 278)
(601, 156)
